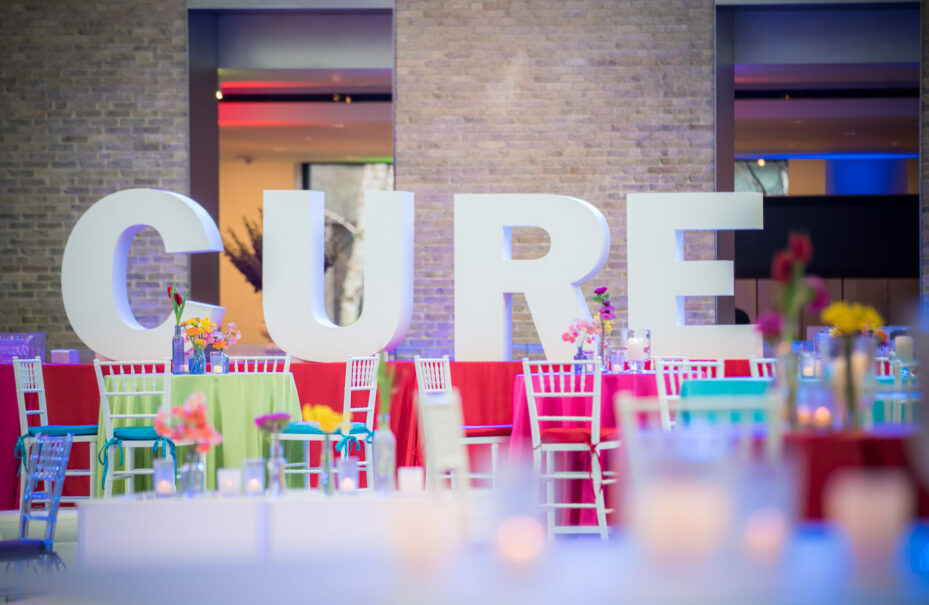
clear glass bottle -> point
(385, 457)
(177, 351)
(276, 462)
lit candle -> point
(765, 533)
(804, 416)
(822, 418)
(347, 484)
(904, 348)
(635, 349)
(254, 486)
(217, 368)
(164, 488)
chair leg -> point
(494, 456)
(92, 469)
(306, 465)
(130, 466)
(108, 482)
(550, 492)
(597, 474)
(369, 465)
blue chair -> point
(47, 463)
(30, 396)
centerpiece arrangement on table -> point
(188, 423)
(595, 331)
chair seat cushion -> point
(577, 435)
(491, 430)
(136, 433)
(60, 430)
(311, 429)
(20, 550)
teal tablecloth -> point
(715, 387)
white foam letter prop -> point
(659, 278)
(486, 274)
(93, 269)
(294, 239)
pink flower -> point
(600, 290)
(820, 294)
(770, 324)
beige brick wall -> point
(94, 100)
(592, 99)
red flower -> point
(781, 267)
(800, 247)
(600, 290)
(770, 324)
(178, 299)
(170, 288)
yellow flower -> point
(328, 419)
(849, 319)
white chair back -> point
(277, 364)
(433, 374)
(27, 374)
(763, 367)
(443, 439)
(671, 374)
(548, 380)
(882, 366)
(119, 379)
(643, 429)
(361, 375)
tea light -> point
(822, 418)
(347, 485)
(904, 347)
(520, 540)
(254, 471)
(410, 479)
(804, 416)
(229, 481)
(164, 488)
(254, 486)
(347, 470)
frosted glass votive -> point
(410, 479)
(229, 481)
(164, 477)
(347, 470)
(253, 471)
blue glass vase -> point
(177, 351)
(197, 362)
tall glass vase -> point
(785, 383)
(325, 475)
(385, 456)
(177, 351)
(851, 377)
(276, 462)
(193, 475)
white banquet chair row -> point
(670, 374)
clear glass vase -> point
(177, 351)
(785, 384)
(638, 346)
(851, 377)
(276, 462)
(385, 457)
(193, 475)
(197, 362)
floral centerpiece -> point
(223, 339)
(606, 315)
(794, 291)
(198, 333)
(189, 423)
(329, 422)
(583, 332)
(856, 328)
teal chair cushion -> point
(60, 430)
(136, 433)
(356, 428)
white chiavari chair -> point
(434, 375)
(564, 417)
(30, 398)
(279, 364)
(360, 377)
(763, 367)
(125, 387)
(671, 374)
(443, 440)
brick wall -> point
(94, 100)
(592, 99)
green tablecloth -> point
(232, 401)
